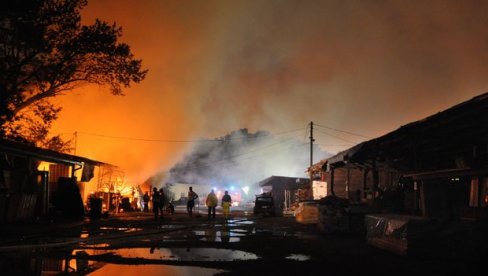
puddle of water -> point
(98, 245)
(234, 234)
(184, 254)
(276, 233)
(133, 230)
(245, 222)
(213, 233)
(298, 257)
(124, 229)
(114, 228)
(219, 239)
(169, 226)
(149, 270)
(212, 254)
(76, 263)
(231, 239)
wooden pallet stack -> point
(333, 217)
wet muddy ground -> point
(137, 244)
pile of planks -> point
(333, 217)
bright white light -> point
(231, 188)
(245, 189)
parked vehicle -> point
(264, 204)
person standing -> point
(191, 201)
(171, 208)
(156, 198)
(161, 202)
(145, 202)
(211, 203)
(226, 202)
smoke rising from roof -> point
(243, 158)
(216, 66)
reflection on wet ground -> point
(298, 257)
(243, 222)
(169, 226)
(123, 229)
(188, 254)
(272, 232)
(149, 248)
(240, 230)
(221, 238)
(112, 269)
(170, 254)
(98, 245)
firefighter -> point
(226, 202)
(211, 202)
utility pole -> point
(311, 143)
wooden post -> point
(332, 181)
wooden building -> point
(284, 189)
(437, 167)
(28, 192)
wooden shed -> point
(439, 164)
(27, 193)
(284, 189)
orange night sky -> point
(217, 66)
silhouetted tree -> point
(45, 51)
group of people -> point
(211, 203)
(158, 203)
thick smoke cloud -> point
(243, 159)
(215, 66)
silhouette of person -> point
(211, 202)
(191, 201)
(226, 202)
(156, 199)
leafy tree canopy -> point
(45, 51)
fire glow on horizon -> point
(218, 66)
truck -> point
(264, 204)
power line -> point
(193, 165)
(231, 158)
(337, 137)
(245, 153)
(258, 149)
(215, 163)
(307, 132)
(288, 131)
(344, 131)
(145, 139)
(186, 141)
(329, 145)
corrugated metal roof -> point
(459, 127)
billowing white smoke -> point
(243, 159)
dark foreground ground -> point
(137, 244)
